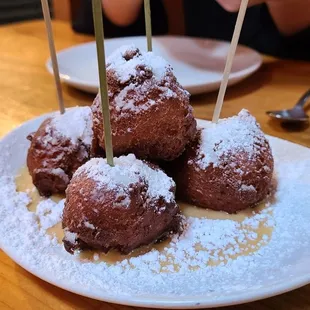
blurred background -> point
(76, 11)
(20, 10)
(279, 28)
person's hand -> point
(290, 16)
(234, 5)
(122, 12)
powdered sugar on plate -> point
(283, 258)
(240, 133)
(49, 213)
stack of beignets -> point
(226, 166)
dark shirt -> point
(19, 10)
(83, 21)
(206, 18)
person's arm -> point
(122, 12)
(290, 16)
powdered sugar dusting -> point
(140, 74)
(125, 102)
(75, 124)
(49, 213)
(208, 242)
(239, 133)
(128, 170)
(282, 258)
(60, 173)
(89, 225)
(70, 236)
(247, 188)
(126, 69)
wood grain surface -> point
(27, 90)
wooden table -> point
(27, 90)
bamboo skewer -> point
(103, 90)
(49, 30)
(229, 61)
(148, 24)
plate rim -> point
(181, 303)
(192, 302)
(234, 77)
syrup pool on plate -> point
(246, 246)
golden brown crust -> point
(99, 219)
(52, 159)
(149, 117)
(238, 183)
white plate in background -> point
(198, 63)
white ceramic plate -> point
(198, 63)
(281, 266)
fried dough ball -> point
(228, 168)
(121, 207)
(150, 111)
(62, 144)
